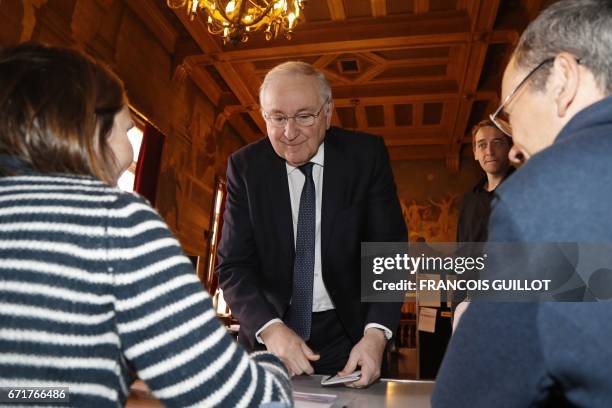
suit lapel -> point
(280, 207)
(333, 188)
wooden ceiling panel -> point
(424, 152)
(390, 89)
(264, 65)
(350, 66)
(442, 5)
(375, 115)
(497, 57)
(402, 114)
(411, 72)
(214, 74)
(400, 7)
(480, 111)
(248, 120)
(432, 113)
(316, 11)
(347, 116)
(357, 8)
(414, 53)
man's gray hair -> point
(298, 68)
(582, 28)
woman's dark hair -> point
(57, 109)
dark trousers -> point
(329, 339)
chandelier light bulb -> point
(235, 20)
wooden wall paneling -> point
(379, 8)
(336, 10)
(52, 21)
(17, 23)
(156, 22)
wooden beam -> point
(532, 8)
(156, 22)
(379, 8)
(431, 152)
(335, 119)
(324, 60)
(346, 46)
(389, 115)
(404, 99)
(486, 15)
(371, 73)
(397, 89)
(360, 115)
(244, 130)
(416, 141)
(504, 36)
(421, 7)
(336, 10)
(185, 47)
(386, 33)
(433, 133)
(417, 114)
(203, 80)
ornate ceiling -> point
(419, 73)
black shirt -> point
(475, 210)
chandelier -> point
(235, 19)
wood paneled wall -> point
(147, 56)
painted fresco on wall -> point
(432, 220)
(170, 189)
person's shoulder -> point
(352, 138)
(66, 187)
(362, 147)
(253, 150)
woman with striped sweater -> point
(93, 286)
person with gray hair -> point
(299, 204)
(557, 97)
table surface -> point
(385, 393)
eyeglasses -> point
(503, 123)
(302, 119)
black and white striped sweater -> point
(93, 284)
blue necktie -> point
(300, 316)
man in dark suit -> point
(557, 92)
(299, 204)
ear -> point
(566, 80)
(517, 155)
(330, 113)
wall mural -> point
(170, 187)
(433, 220)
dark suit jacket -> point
(517, 354)
(256, 251)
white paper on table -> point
(427, 319)
(429, 298)
(313, 400)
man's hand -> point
(367, 354)
(290, 348)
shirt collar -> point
(591, 116)
(317, 159)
